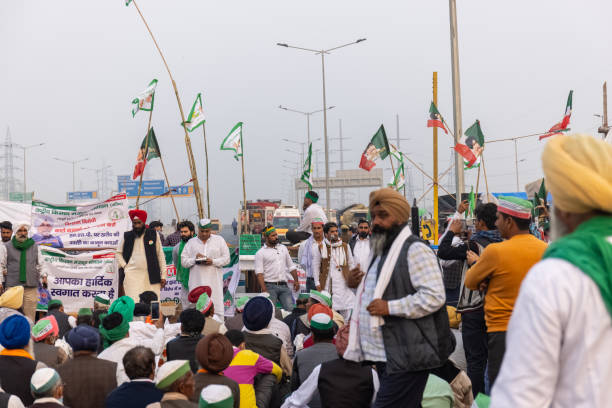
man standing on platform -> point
(205, 256)
(272, 261)
(141, 259)
(23, 269)
(312, 211)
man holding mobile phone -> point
(205, 256)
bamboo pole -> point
(435, 163)
(244, 203)
(178, 218)
(206, 156)
(144, 159)
(477, 183)
(484, 170)
(191, 160)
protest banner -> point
(98, 225)
(231, 278)
(76, 279)
(172, 291)
(15, 212)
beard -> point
(21, 238)
(382, 238)
(139, 231)
(185, 239)
(363, 235)
(557, 228)
(333, 238)
(272, 243)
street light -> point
(322, 53)
(99, 174)
(25, 148)
(73, 162)
(307, 114)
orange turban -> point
(392, 201)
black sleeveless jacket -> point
(150, 247)
(413, 344)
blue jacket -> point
(134, 394)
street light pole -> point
(25, 148)
(73, 162)
(307, 114)
(323, 52)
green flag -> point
(145, 100)
(233, 141)
(127, 2)
(378, 148)
(196, 116)
(399, 178)
(146, 153)
(307, 172)
(471, 144)
(472, 203)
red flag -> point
(435, 119)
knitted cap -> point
(516, 207)
(216, 396)
(43, 380)
(102, 298)
(44, 328)
(321, 321)
(171, 371)
(323, 297)
(240, 303)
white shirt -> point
(311, 213)
(3, 256)
(302, 396)
(215, 248)
(558, 344)
(282, 331)
(273, 263)
(14, 401)
(361, 253)
(117, 350)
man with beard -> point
(560, 334)
(6, 231)
(500, 269)
(332, 267)
(22, 268)
(309, 249)
(205, 256)
(187, 231)
(360, 244)
(272, 262)
(141, 259)
(399, 307)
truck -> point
(353, 213)
(258, 214)
(286, 217)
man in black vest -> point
(399, 321)
(141, 259)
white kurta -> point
(361, 253)
(313, 212)
(136, 272)
(342, 296)
(215, 248)
(558, 344)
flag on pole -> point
(435, 119)
(472, 203)
(399, 178)
(146, 153)
(378, 148)
(467, 166)
(563, 125)
(233, 141)
(127, 2)
(471, 144)
(307, 172)
(144, 101)
(196, 116)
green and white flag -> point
(399, 178)
(144, 101)
(472, 203)
(196, 116)
(127, 2)
(307, 173)
(233, 141)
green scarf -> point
(182, 273)
(588, 249)
(23, 247)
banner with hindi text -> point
(76, 279)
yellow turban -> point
(392, 201)
(12, 298)
(578, 173)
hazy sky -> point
(69, 70)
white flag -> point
(233, 141)
(144, 101)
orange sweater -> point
(505, 264)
